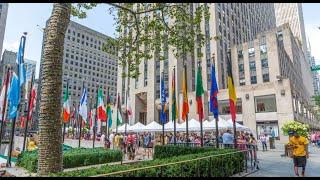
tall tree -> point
(50, 150)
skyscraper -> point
(3, 20)
(85, 61)
(30, 67)
(233, 22)
(292, 13)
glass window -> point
(224, 107)
(252, 65)
(264, 63)
(251, 52)
(253, 79)
(265, 77)
(265, 103)
(263, 49)
(241, 67)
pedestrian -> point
(130, 146)
(111, 139)
(117, 141)
(263, 140)
(313, 139)
(102, 138)
(227, 139)
(300, 152)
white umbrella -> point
(238, 126)
(138, 127)
(169, 126)
(211, 125)
(193, 125)
(153, 126)
(122, 128)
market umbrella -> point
(138, 127)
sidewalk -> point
(272, 164)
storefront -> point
(269, 127)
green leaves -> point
(144, 31)
(72, 157)
(224, 165)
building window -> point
(263, 49)
(251, 52)
(253, 79)
(265, 103)
(264, 63)
(265, 77)
(252, 65)
(224, 107)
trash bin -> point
(271, 141)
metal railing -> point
(217, 167)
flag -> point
(102, 115)
(109, 116)
(22, 121)
(90, 119)
(129, 110)
(83, 105)
(214, 94)
(174, 102)
(199, 92)
(232, 92)
(119, 117)
(163, 115)
(20, 62)
(32, 103)
(185, 105)
(66, 106)
(14, 96)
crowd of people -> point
(315, 139)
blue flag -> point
(163, 115)
(13, 96)
(214, 94)
(20, 61)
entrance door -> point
(143, 118)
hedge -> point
(224, 165)
(75, 157)
(167, 151)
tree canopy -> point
(146, 30)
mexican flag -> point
(102, 115)
(66, 106)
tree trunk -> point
(50, 135)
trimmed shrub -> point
(223, 165)
(167, 151)
(74, 157)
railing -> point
(215, 168)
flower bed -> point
(226, 163)
(74, 157)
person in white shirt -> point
(111, 138)
(102, 138)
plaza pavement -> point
(272, 164)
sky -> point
(31, 18)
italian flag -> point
(66, 106)
(102, 115)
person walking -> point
(300, 152)
(263, 140)
(111, 139)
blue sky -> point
(31, 17)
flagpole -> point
(187, 118)
(26, 128)
(216, 118)
(5, 103)
(201, 130)
(107, 121)
(117, 113)
(73, 120)
(14, 119)
(81, 121)
(95, 120)
(174, 119)
(162, 109)
(233, 120)
(64, 124)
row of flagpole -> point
(199, 93)
(11, 98)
